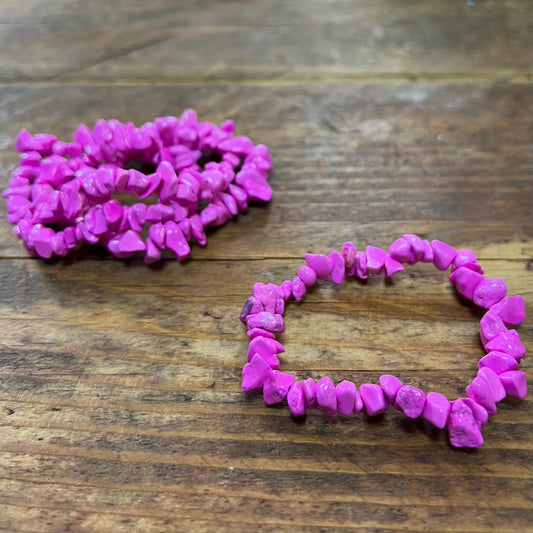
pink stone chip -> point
(252, 306)
(265, 320)
(511, 310)
(286, 289)
(326, 396)
(400, 250)
(463, 428)
(255, 373)
(131, 242)
(348, 252)
(258, 332)
(375, 259)
(489, 292)
(153, 253)
(361, 270)
(277, 386)
(436, 409)
(298, 288)
(428, 252)
(320, 263)
(390, 385)
(392, 266)
(480, 413)
(490, 326)
(267, 349)
(307, 275)
(337, 266)
(464, 257)
(507, 341)
(443, 254)
(514, 383)
(417, 247)
(480, 392)
(296, 399)
(466, 281)
(494, 383)
(373, 399)
(499, 362)
(309, 391)
(411, 401)
(346, 393)
(175, 240)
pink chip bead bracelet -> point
(64, 194)
(498, 370)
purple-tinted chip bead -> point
(255, 373)
(320, 263)
(346, 394)
(410, 400)
(309, 391)
(298, 288)
(514, 383)
(511, 310)
(463, 429)
(499, 362)
(307, 275)
(489, 292)
(337, 267)
(276, 387)
(506, 341)
(390, 385)
(296, 399)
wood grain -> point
(120, 402)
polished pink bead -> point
(296, 399)
(131, 242)
(348, 252)
(41, 240)
(277, 386)
(480, 392)
(507, 341)
(489, 292)
(175, 240)
(466, 281)
(464, 257)
(197, 229)
(239, 145)
(256, 187)
(428, 252)
(463, 429)
(346, 392)
(511, 310)
(494, 383)
(320, 263)
(307, 275)
(400, 250)
(410, 400)
(390, 385)
(286, 289)
(240, 197)
(153, 253)
(392, 266)
(417, 247)
(490, 326)
(361, 270)
(267, 349)
(443, 254)
(255, 373)
(258, 332)
(157, 234)
(112, 211)
(498, 362)
(309, 391)
(515, 383)
(169, 182)
(298, 288)
(436, 409)
(326, 396)
(268, 321)
(58, 244)
(375, 259)
(137, 182)
(154, 184)
(373, 399)
(337, 266)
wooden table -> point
(120, 402)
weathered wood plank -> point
(210, 41)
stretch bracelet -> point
(497, 376)
(62, 194)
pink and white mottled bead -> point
(410, 400)
(276, 387)
(489, 292)
(463, 428)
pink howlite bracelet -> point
(63, 194)
(498, 370)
